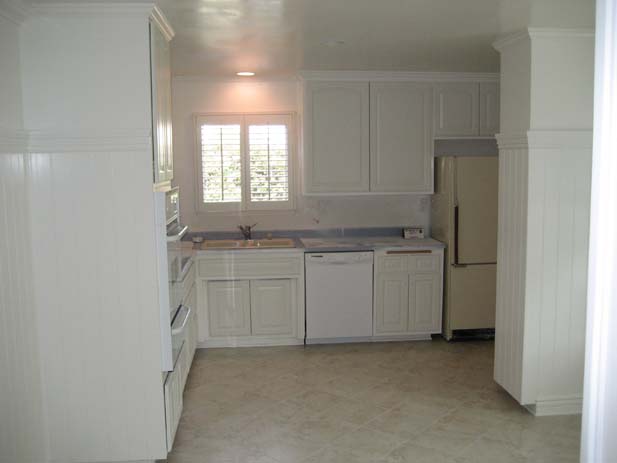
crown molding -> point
(541, 32)
(401, 76)
(42, 141)
(13, 141)
(74, 9)
(13, 10)
(510, 39)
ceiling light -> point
(245, 74)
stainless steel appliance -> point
(464, 216)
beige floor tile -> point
(361, 403)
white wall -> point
(192, 96)
(22, 437)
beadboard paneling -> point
(511, 265)
(22, 435)
(96, 290)
(559, 193)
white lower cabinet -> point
(271, 306)
(392, 303)
(408, 293)
(229, 308)
(174, 387)
(251, 298)
(424, 302)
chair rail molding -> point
(13, 140)
(90, 141)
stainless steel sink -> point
(248, 244)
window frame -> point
(244, 119)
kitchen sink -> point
(248, 244)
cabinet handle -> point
(419, 251)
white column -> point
(599, 440)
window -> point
(244, 162)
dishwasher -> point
(339, 297)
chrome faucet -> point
(247, 230)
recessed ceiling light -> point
(245, 74)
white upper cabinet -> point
(489, 108)
(336, 137)
(401, 156)
(457, 109)
(161, 106)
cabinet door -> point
(401, 137)
(161, 106)
(229, 308)
(336, 137)
(489, 108)
(391, 303)
(456, 109)
(424, 303)
(271, 307)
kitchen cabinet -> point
(271, 306)
(191, 338)
(161, 106)
(457, 109)
(489, 108)
(408, 293)
(424, 306)
(229, 308)
(174, 387)
(336, 137)
(401, 149)
(466, 109)
(391, 300)
(250, 298)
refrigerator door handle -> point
(456, 235)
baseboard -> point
(249, 342)
(557, 406)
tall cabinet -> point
(90, 185)
(160, 79)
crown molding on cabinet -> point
(540, 32)
(89, 142)
(13, 141)
(401, 76)
(227, 80)
(13, 10)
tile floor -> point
(361, 403)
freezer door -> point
(476, 210)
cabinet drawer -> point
(424, 263)
(392, 263)
(243, 267)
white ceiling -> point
(276, 38)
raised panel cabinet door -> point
(489, 108)
(401, 137)
(391, 303)
(271, 307)
(424, 303)
(161, 106)
(229, 308)
(456, 109)
(336, 137)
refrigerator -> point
(464, 217)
